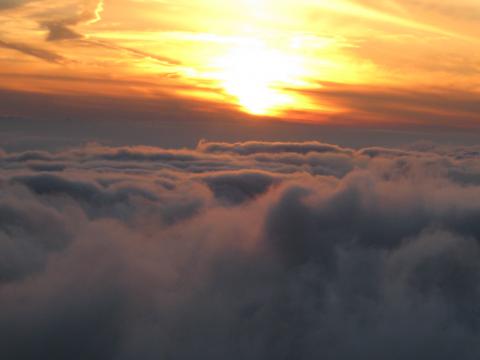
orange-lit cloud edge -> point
(342, 62)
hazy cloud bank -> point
(242, 251)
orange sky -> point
(363, 61)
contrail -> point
(97, 13)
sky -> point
(385, 64)
(244, 180)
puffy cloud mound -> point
(240, 251)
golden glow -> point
(264, 57)
(254, 75)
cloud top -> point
(249, 250)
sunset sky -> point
(348, 62)
(239, 179)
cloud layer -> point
(249, 250)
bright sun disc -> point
(255, 75)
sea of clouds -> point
(251, 250)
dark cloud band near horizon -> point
(247, 250)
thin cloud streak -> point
(39, 53)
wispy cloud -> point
(384, 49)
(9, 4)
(62, 29)
(27, 49)
(97, 12)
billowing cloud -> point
(243, 251)
(252, 147)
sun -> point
(255, 75)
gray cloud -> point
(250, 250)
(238, 187)
(40, 53)
(252, 147)
(424, 107)
(8, 4)
(61, 29)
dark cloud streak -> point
(39, 53)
